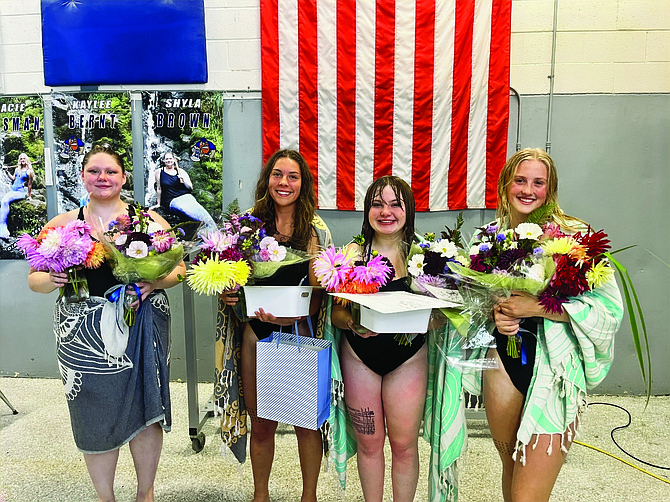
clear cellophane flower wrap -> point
(480, 292)
(265, 269)
(429, 260)
(149, 268)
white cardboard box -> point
(413, 321)
(280, 301)
(395, 311)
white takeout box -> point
(280, 301)
(395, 311)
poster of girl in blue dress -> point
(183, 138)
(22, 184)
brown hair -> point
(104, 148)
(305, 205)
(506, 178)
(403, 192)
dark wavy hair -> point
(104, 148)
(305, 205)
(403, 192)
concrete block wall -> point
(603, 46)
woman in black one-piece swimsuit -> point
(384, 379)
(285, 203)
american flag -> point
(415, 89)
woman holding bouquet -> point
(115, 396)
(533, 403)
(286, 204)
(385, 376)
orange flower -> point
(578, 253)
(95, 256)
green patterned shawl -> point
(571, 359)
(444, 413)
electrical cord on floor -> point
(619, 446)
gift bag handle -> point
(295, 331)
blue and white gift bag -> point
(293, 379)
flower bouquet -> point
(428, 266)
(140, 250)
(540, 260)
(343, 270)
(63, 249)
(236, 255)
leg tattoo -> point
(363, 420)
(504, 448)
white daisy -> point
(137, 249)
(445, 247)
(415, 265)
(528, 231)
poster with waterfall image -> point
(22, 181)
(183, 157)
(79, 121)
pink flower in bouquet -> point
(333, 265)
(123, 222)
(371, 272)
(218, 241)
(551, 231)
(271, 248)
(342, 271)
(162, 241)
(61, 248)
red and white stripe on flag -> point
(365, 89)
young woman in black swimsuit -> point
(285, 202)
(384, 380)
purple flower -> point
(500, 237)
(420, 281)
(434, 263)
(376, 271)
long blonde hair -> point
(506, 178)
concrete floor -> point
(38, 460)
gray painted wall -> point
(612, 154)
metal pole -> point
(551, 78)
(138, 146)
(49, 160)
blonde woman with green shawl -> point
(533, 408)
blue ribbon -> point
(115, 296)
(524, 346)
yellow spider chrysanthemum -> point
(600, 274)
(212, 277)
(562, 245)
